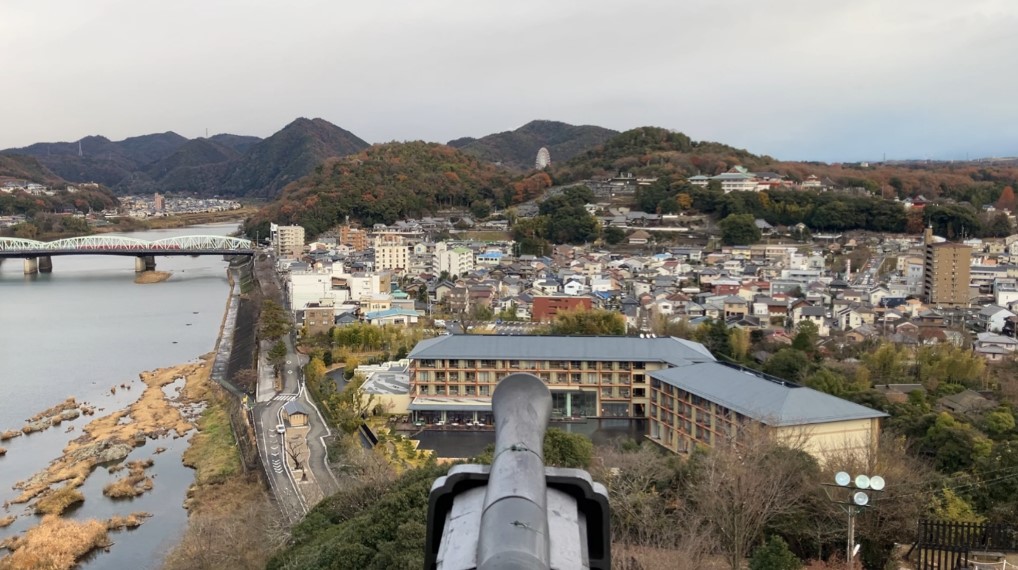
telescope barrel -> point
(514, 531)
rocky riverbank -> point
(169, 406)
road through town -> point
(296, 490)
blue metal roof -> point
(394, 312)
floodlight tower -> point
(852, 495)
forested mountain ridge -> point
(224, 164)
(98, 159)
(655, 152)
(27, 168)
(293, 152)
(388, 182)
(518, 149)
(652, 152)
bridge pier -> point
(31, 266)
(144, 263)
(45, 264)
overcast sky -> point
(797, 79)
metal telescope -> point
(518, 514)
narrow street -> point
(296, 492)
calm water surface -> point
(83, 329)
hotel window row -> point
(551, 365)
(680, 420)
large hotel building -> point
(687, 396)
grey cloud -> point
(795, 79)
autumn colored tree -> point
(1007, 200)
(593, 322)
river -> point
(83, 329)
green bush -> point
(774, 555)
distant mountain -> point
(192, 154)
(286, 156)
(224, 164)
(27, 168)
(461, 142)
(518, 149)
(102, 160)
(388, 182)
(239, 143)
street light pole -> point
(852, 496)
(849, 555)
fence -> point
(950, 545)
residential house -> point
(991, 318)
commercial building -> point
(946, 273)
(676, 384)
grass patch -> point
(58, 501)
(7, 521)
(400, 451)
(213, 451)
(133, 520)
(55, 543)
(132, 485)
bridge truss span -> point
(8, 244)
(120, 245)
(98, 243)
(204, 243)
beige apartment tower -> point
(391, 253)
(946, 273)
(288, 241)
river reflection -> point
(83, 329)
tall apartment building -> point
(354, 238)
(391, 253)
(287, 241)
(455, 261)
(686, 396)
(946, 272)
